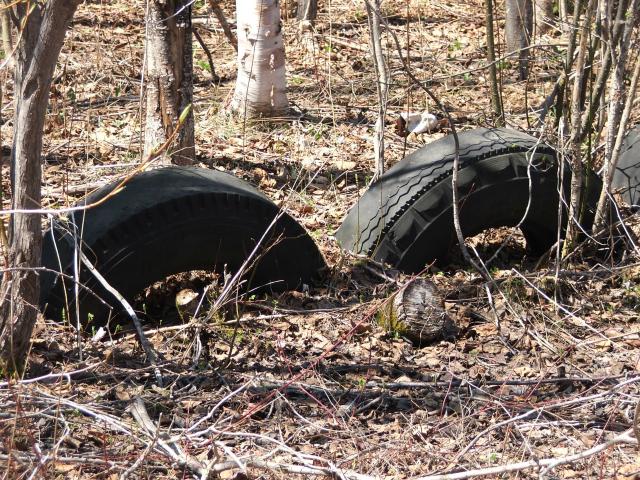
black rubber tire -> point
(626, 178)
(406, 218)
(173, 220)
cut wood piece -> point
(417, 312)
(187, 304)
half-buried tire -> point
(626, 178)
(406, 218)
(168, 221)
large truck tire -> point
(168, 221)
(626, 178)
(405, 219)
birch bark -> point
(261, 88)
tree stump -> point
(416, 312)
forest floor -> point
(545, 362)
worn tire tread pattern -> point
(392, 199)
(626, 178)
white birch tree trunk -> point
(5, 23)
(261, 87)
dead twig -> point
(222, 19)
(51, 377)
(214, 76)
(533, 413)
(169, 447)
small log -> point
(416, 312)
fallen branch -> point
(217, 11)
(169, 447)
(51, 377)
(207, 52)
(81, 460)
(295, 469)
(547, 463)
(539, 411)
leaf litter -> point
(545, 367)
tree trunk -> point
(619, 110)
(306, 15)
(36, 55)
(543, 15)
(577, 168)
(382, 84)
(222, 20)
(307, 10)
(518, 28)
(5, 24)
(169, 73)
(496, 100)
(563, 14)
(261, 88)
